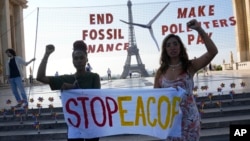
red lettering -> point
(92, 18)
(206, 24)
(188, 29)
(84, 34)
(190, 38)
(164, 29)
(233, 21)
(180, 28)
(102, 35)
(99, 111)
(215, 23)
(211, 10)
(223, 23)
(110, 47)
(91, 48)
(192, 13)
(126, 45)
(84, 109)
(117, 47)
(70, 111)
(114, 34)
(100, 18)
(182, 13)
(200, 41)
(109, 18)
(120, 36)
(100, 48)
(109, 110)
(107, 48)
(93, 112)
(201, 11)
(173, 28)
(109, 33)
(93, 34)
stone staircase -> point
(216, 119)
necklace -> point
(173, 67)
(76, 84)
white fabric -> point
(19, 62)
(93, 113)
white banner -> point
(93, 113)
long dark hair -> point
(165, 59)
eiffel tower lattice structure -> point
(133, 51)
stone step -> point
(215, 134)
(31, 117)
(224, 103)
(241, 99)
(30, 125)
(224, 96)
(219, 122)
(225, 111)
(215, 122)
(34, 135)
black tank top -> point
(14, 72)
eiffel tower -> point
(133, 51)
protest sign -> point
(93, 113)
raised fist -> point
(50, 48)
(193, 24)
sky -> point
(61, 22)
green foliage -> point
(217, 67)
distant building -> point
(241, 10)
(11, 31)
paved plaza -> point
(212, 81)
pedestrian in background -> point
(210, 68)
(56, 74)
(88, 67)
(14, 73)
(109, 74)
(205, 72)
(130, 74)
